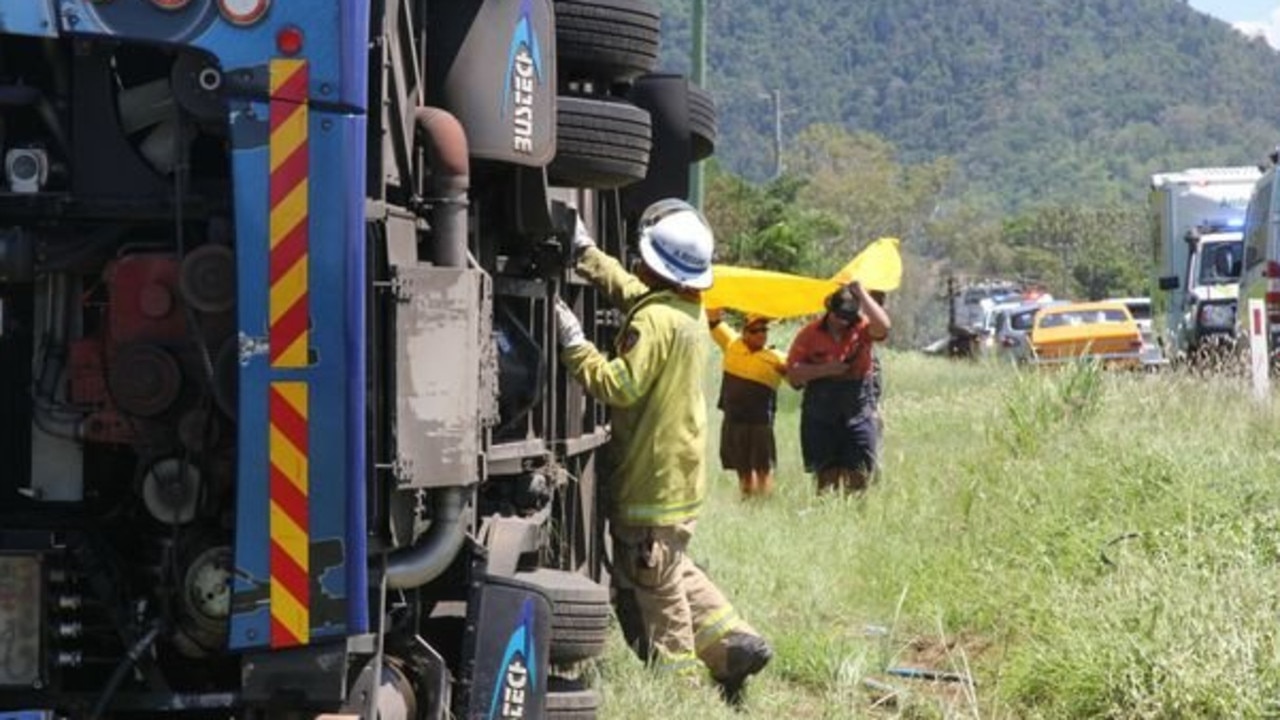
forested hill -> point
(1038, 100)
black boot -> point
(745, 655)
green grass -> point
(1081, 543)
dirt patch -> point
(933, 670)
(944, 654)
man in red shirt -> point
(831, 359)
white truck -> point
(1197, 219)
(970, 303)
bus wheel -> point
(600, 144)
(702, 122)
(609, 41)
(580, 614)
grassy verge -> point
(1081, 544)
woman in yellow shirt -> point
(749, 400)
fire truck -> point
(283, 429)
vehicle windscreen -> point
(1220, 263)
(1139, 311)
(1022, 320)
(1082, 317)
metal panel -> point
(20, 607)
(29, 17)
(304, 676)
(438, 375)
(334, 439)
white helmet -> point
(676, 243)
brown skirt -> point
(747, 446)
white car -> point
(1140, 309)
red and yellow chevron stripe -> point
(288, 300)
(290, 512)
(289, 317)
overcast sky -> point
(1251, 16)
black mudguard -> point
(507, 647)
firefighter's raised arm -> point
(620, 287)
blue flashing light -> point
(1219, 224)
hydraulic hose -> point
(420, 564)
(126, 664)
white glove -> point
(581, 238)
(567, 327)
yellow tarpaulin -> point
(878, 267)
(763, 292)
(782, 295)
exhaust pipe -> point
(450, 179)
(418, 565)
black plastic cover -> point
(492, 63)
(510, 644)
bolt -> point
(210, 79)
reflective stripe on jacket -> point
(654, 385)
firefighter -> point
(672, 614)
(749, 400)
(831, 358)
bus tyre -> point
(580, 614)
(570, 700)
(702, 123)
(609, 41)
(600, 143)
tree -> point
(857, 179)
(1089, 252)
(764, 226)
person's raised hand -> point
(568, 328)
(582, 240)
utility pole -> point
(775, 97)
(699, 64)
(777, 133)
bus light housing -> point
(243, 12)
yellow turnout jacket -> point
(654, 385)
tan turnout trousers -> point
(680, 616)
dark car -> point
(1012, 326)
